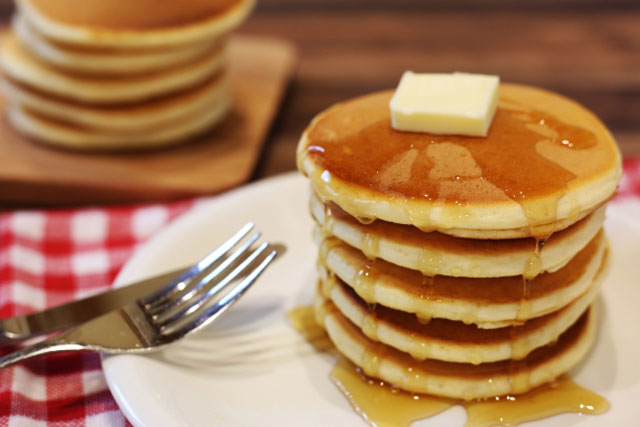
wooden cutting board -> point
(33, 174)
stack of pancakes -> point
(463, 267)
(102, 74)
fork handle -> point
(50, 345)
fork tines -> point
(203, 292)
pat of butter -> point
(457, 104)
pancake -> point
(458, 380)
(448, 340)
(134, 24)
(20, 65)
(546, 162)
(488, 303)
(60, 134)
(145, 116)
(437, 253)
(108, 62)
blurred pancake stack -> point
(457, 266)
(104, 75)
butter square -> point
(441, 103)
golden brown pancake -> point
(489, 302)
(545, 163)
(457, 380)
(452, 341)
(437, 253)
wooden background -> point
(586, 49)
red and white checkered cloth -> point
(50, 257)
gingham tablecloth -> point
(48, 257)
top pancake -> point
(545, 162)
(134, 23)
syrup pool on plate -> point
(380, 404)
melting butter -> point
(455, 103)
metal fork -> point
(193, 300)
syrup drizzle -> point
(367, 276)
(380, 404)
(364, 282)
(519, 350)
(449, 168)
(532, 269)
(329, 220)
(428, 262)
(370, 246)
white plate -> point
(286, 384)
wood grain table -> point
(587, 50)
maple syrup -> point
(418, 166)
(500, 290)
(561, 396)
(532, 269)
(303, 319)
(329, 221)
(534, 263)
(364, 282)
(380, 404)
(370, 246)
